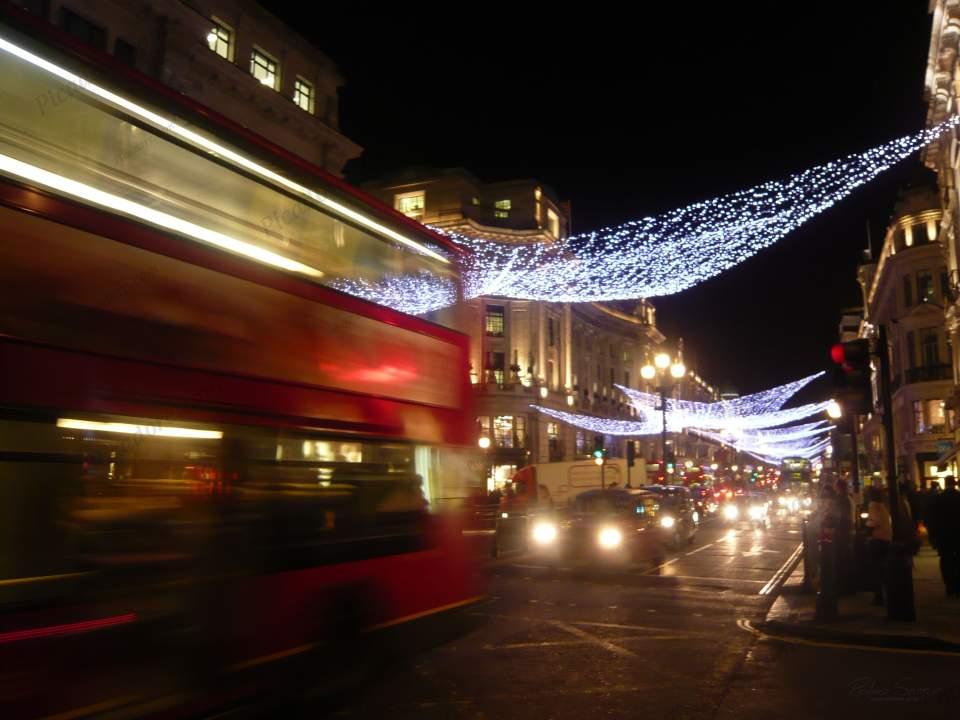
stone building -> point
(230, 55)
(565, 356)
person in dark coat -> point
(944, 527)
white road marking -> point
(600, 642)
(782, 572)
(699, 549)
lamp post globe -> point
(662, 361)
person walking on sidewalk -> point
(944, 528)
(881, 533)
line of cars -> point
(619, 526)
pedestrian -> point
(944, 529)
(843, 537)
(881, 533)
(905, 532)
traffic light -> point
(851, 376)
(631, 453)
(599, 453)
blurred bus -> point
(218, 473)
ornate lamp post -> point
(668, 372)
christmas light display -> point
(667, 253)
(762, 402)
(757, 424)
(413, 294)
(653, 256)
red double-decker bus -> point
(218, 473)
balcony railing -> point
(928, 373)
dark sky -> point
(628, 117)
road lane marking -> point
(780, 574)
(704, 547)
(561, 643)
(600, 642)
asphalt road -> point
(670, 642)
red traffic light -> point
(837, 354)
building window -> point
(551, 333)
(907, 291)
(495, 320)
(911, 349)
(411, 204)
(304, 95)
(495, 367)
(929, 416)
(925, 289)
(612, 378)
(929, 347)
(553, 441)
(553, 223)
(510, 431)
(220, 40)
(944, 286)
(265, 69)
(626, 378)
(83, 29)
(581, 442)
(125, 52)
(501, 208)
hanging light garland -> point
(653, 256)
(757, 424)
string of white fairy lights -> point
(757, 424)
(653, 256)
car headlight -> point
(696, 516)
(757, 512)
(610, 537)
(808, 501)
(667, 521)
(730, 512)
(783, 501)
(544, 533)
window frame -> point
(231, 44)
(257, 51)
(300, 82)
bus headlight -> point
(544, 533)
(730, 512)
(610, 537)
(667, 522)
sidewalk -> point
(937, 626)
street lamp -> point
(834, 410)
(668, 372)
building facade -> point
(230, 55)
(562, 356)
(906, 291)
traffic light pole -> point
(899, 573)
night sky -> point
(631, 117)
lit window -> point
(553, 429)
(220, 40)
(925, 291)
(553, 223)
(412, 204)
(264, 69)
(495, 320)
(303, 95)
(501, 209)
